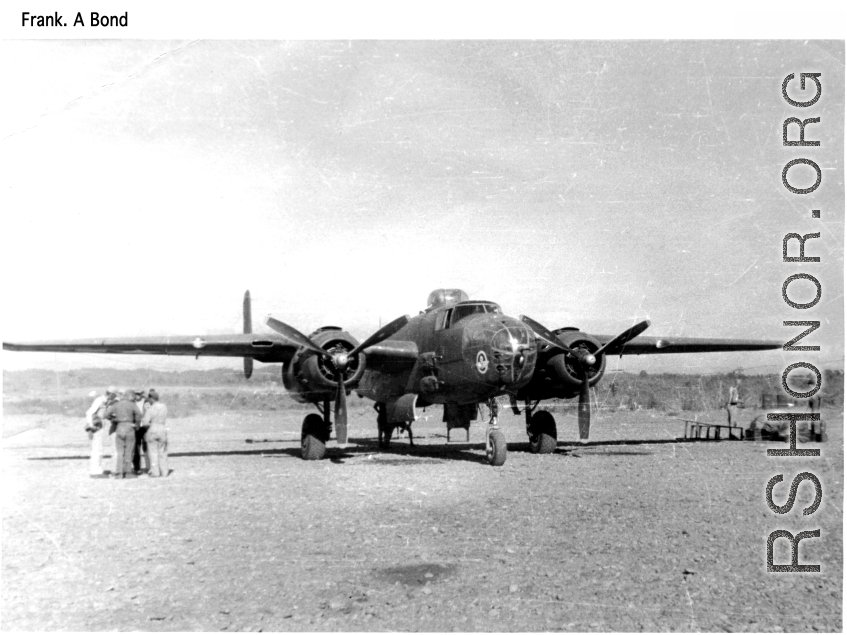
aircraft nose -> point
(514, 349)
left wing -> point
(645, 345)
(264, 348)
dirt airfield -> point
(634, 532)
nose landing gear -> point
(495, 441)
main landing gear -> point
(315, 433)
(540, 428)
(386, 429)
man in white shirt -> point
(95, 428)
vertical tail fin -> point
(248, 328)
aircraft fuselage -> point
(468, 352)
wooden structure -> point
(704, 430)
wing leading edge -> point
(645, 345)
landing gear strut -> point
(385, 429)
(495, 442)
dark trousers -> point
(125, 441)
(140, 446)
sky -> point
(592, 183)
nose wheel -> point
(496, 449)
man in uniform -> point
(157, 435)
(732, 404)
(140, 444)
(94, 427)
(126, 417)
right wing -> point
(264, 348)
(645, 345)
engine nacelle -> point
(560, 375)
(310, 378)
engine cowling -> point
(558, 374)
(310, 378)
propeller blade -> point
(584, 413)
(584, 358)
(340, 411)
(385, 332)
(544, 334)
(617, 343)
(248, 367)
(295, 336)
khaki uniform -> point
(127, 417)
(157, 438)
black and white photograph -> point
(420, 334)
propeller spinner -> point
(339, 361)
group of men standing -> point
(134, 425)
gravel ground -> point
(636, 531)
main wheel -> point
(542, 433)
(313, 438)
(496, 450)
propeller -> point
(340, 361)
(585, 360)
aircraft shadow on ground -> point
(577, 444)
(336, 455)
(456, 451)
(451, 452)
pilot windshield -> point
(461, 311)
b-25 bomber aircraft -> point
(457, 352)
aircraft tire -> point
(497, 450)
(312, 441)
(542, 433)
